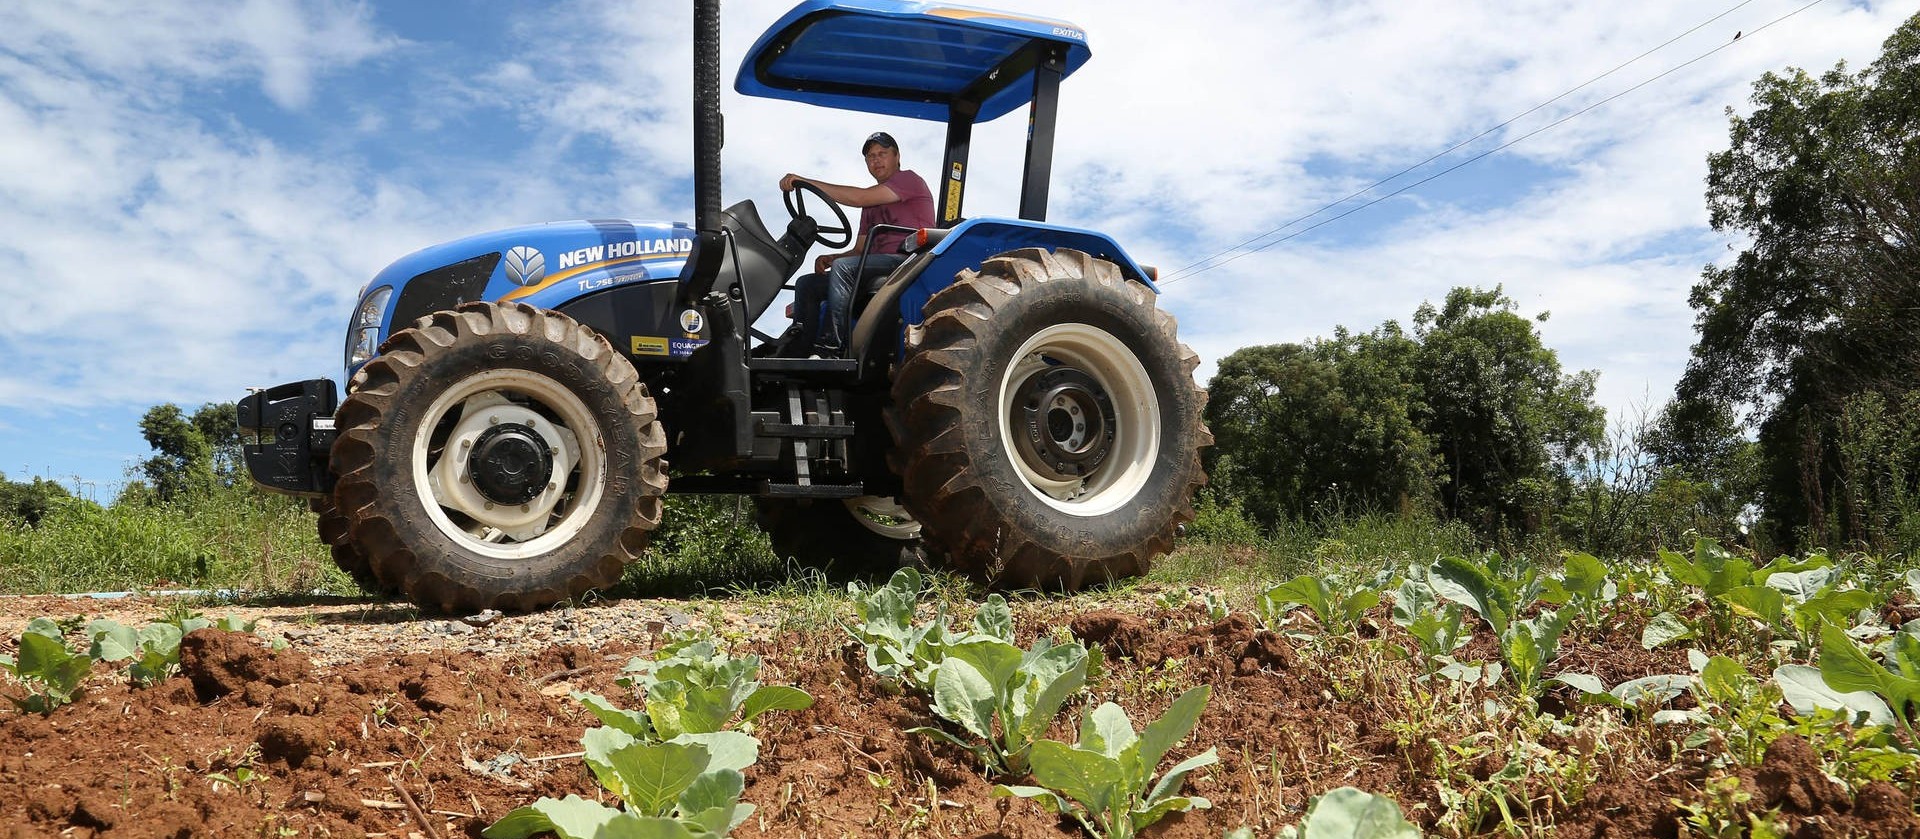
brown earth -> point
(400, 737)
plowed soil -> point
(406, 735)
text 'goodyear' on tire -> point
(498, 456)
(1046, 423)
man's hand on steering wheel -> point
(793, 191)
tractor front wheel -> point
(1046, 423)
(498, 456)
(334, 531)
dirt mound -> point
(221, 663)
(250, 741)
(1245, 647)
(1790, 780)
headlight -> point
(363, 335)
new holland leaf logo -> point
(525, 266)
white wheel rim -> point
(561, 509)
(1136, 417)
(872, 511)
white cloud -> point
(161, 247)
(155, 47)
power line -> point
(1209, 263)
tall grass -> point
(231, 538)
(1220, 551)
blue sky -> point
(191, 194)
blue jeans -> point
(837, 285)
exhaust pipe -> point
(708, 127)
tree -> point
(1822, 303)
(1470, 414)
(1508, 425)
(1707, 468)
(1324, 425)
(219, 424)
(29, 503)
(183, 461)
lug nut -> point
(489, 505)
(493, 420)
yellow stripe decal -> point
(552, 279)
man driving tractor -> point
(898, 197)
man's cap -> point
(881, 137)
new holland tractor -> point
(1012, 404)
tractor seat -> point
(761, 263)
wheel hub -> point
(1066, 423)
(510, 464)
(505, 466)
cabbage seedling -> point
(1106, 781)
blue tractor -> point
(1012, 404)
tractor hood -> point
(543, 265)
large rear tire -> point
(1046, 423)
(861, 534)
(498, 456)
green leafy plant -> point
(50, 671)
(154, 648)
(676, 765)
(1106, 780)
(670, 790)
(1350, 813)
(900, 651)
(1638, 693)
(1338, 609)
(1846, 668)
(1856, 755)
(1583, 585)
(1807, 691)
(1497, 591)
(1733, 587)
(1435, 625)
(692, 687)
(1004, 696)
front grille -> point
(443, 288)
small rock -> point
(677, 619)
(454, 628)
(485, 618)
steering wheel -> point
(841, 236)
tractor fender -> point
(972, 242)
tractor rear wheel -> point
(1046, 423)
(498, 456)
(862, 534)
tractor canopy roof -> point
(934, 61)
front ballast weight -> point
(286, 433)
